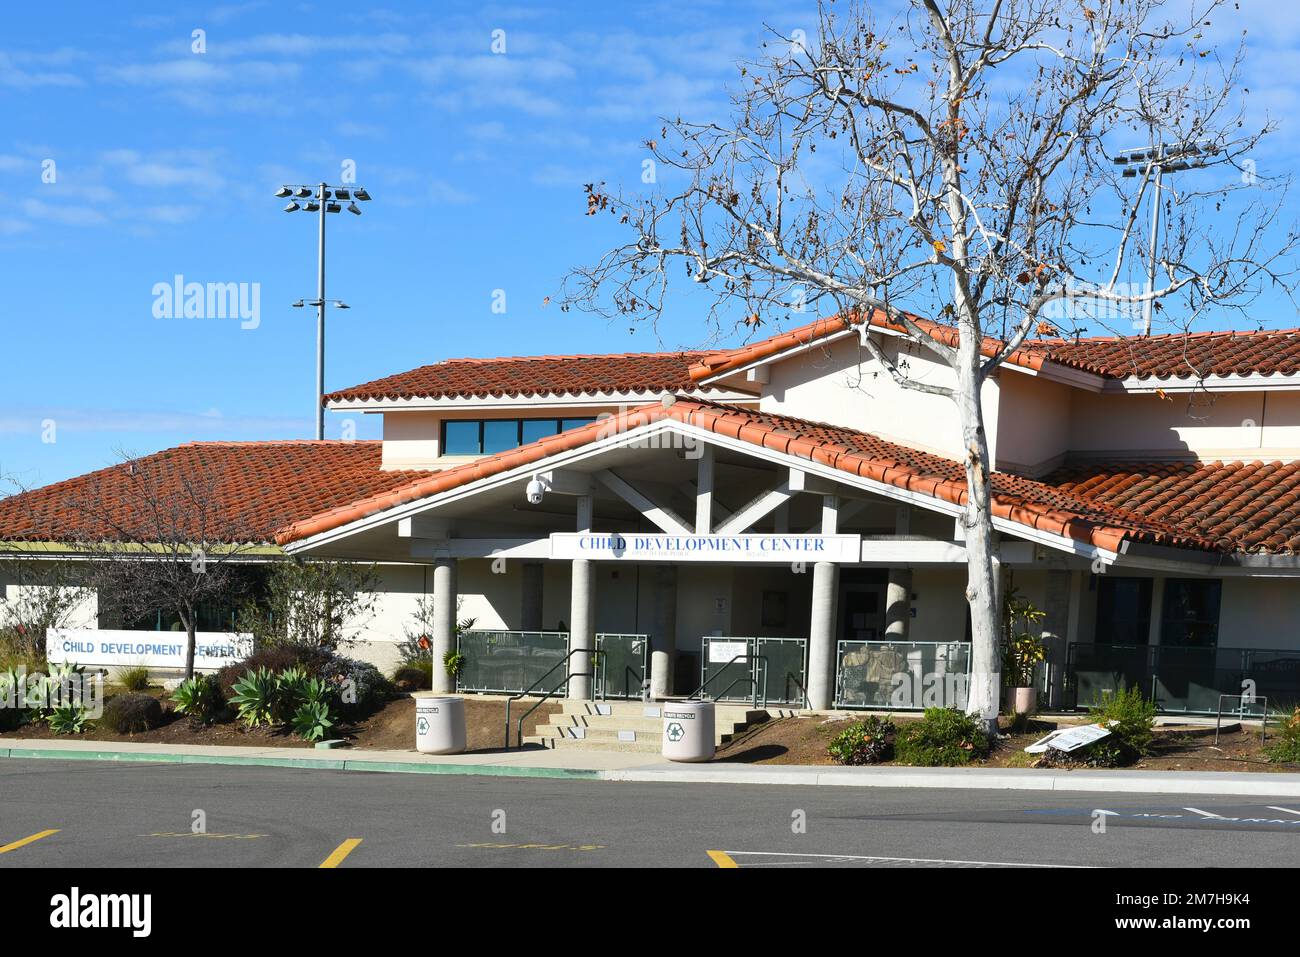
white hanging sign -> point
(722, 549)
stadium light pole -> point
(321, 199)
(1158, 160)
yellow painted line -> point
(6, 848)
(340, 852)
(722, 859)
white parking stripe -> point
(899, 860)
(1197, 810)
(1284, 810)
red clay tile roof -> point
(1186, 507)
(1233, 506)
(292, 490)
(256, 487)
(1177, 355)
(719, 363)
(535, 375)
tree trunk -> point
(981, 583)
(189, 647)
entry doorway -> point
(862, 604)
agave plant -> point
(70, 719)
(197, 698)
(255, 697)
(312, 720)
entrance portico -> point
(677, 533)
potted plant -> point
(1022, 652)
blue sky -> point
(165, 161)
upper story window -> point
(486, 436)
(1191, 612)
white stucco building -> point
(788, 501)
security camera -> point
(535, 491)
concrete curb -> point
(318, 764)
(1006, 779)
(1226, 783)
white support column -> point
(704, 492)
(444, 622)
(821, 629)
(821, 636)
(582, 609)
(663, 637)
(898, 593)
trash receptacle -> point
(439, 724)
(688, 731)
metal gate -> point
(624, 666)
(731, 668)
(510, 661)
(902, 675)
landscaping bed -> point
(392, 727)
(804, 740)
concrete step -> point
(721, 712)
(641, 746)
(621, 721)
(605, 734)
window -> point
(1123, 611)
(486, 436)
(1190, 618)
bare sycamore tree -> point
(161, 537)
(956, 162)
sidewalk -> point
(627, 767)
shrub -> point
(1286, 747)
(944, 737)
(132, 713)
(452, 663)
(864, 742)
(199, 698)
(359, 686)
(415, 676)
(275, 659)
(70, 719)
(133, 679)
(1131, 733)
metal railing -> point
(901, 675)
(750, 678)
(784, 677)
(1183, 680)
(506, 662)
(595, 653)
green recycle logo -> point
(675, 732)
(422, 725)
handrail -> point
(789, 676)
(597, 652)
(753, 677)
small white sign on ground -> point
(1069, 739)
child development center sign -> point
(153, 649)
(647, 547)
